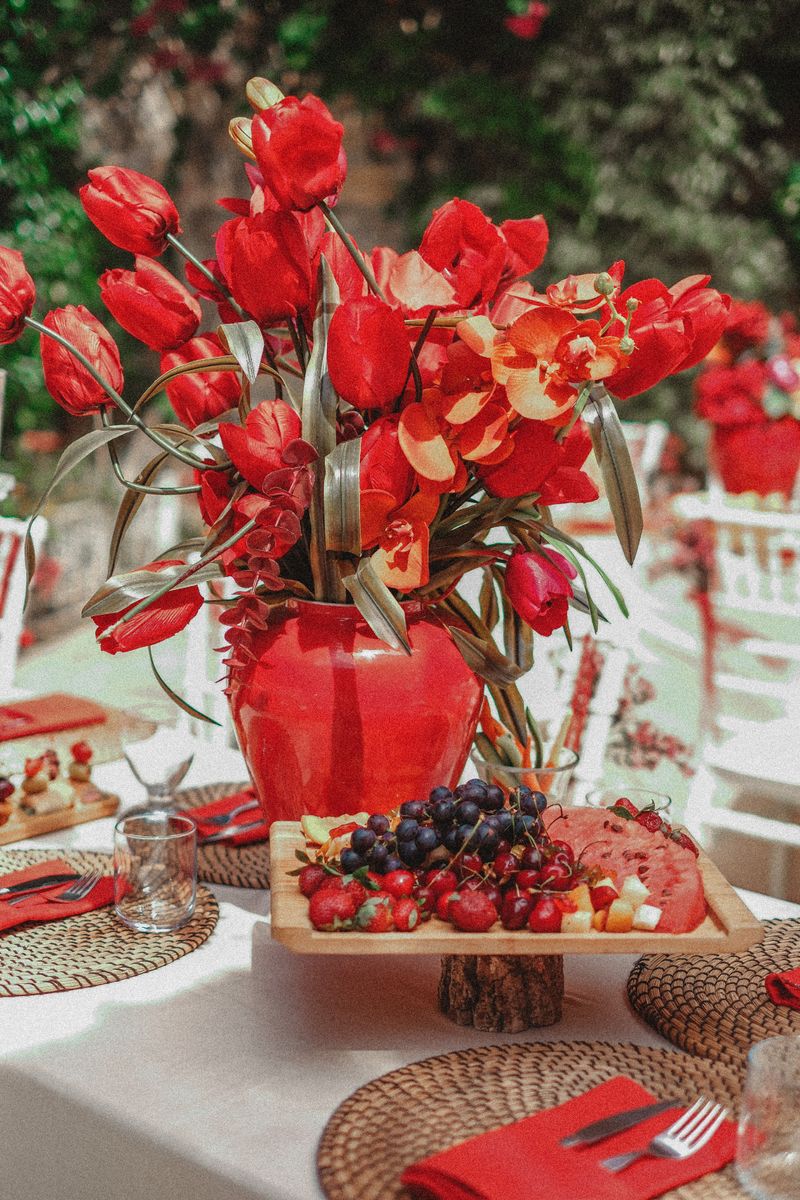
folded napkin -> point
(36, 907)
(225, 805)
(524, 1159)
(48, 714)
(783, 987)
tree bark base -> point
(502, 993)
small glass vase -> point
(554, 780)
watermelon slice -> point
(620, 848)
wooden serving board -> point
(728, 927)
(19, 826)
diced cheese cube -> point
(634, 891)
(620, 917)
(576, 922)
(599, 919)
(581, 897)
(646, 916)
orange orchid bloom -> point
(435, 445)
(401, 559)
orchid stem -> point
(350, 246)
(580, 405)
(203, 269)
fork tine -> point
(677, 1126)
(706, 1131)
(698, 1120)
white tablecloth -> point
(213, 1078)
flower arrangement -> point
(363, 427)
(749, 391)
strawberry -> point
(406, 914)
(627, 805)
(311, 878)
(331, 909)
(351, 887)
(398, 883)
(472, 912)
(684, 840)
(81, 752)
(651, 820)
(375, 914)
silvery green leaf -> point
(342, 495)
(614, 460)
(245, 341)
(379, 608)
(122, 590)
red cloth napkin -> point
(36, 907)
(783, 987)
(225, 805)
(47, 714)
(525, 1158)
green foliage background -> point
(664, 132)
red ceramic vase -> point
(758, 458)
(332, 720)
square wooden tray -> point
(728, 927)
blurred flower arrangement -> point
(638, 744)
(749, 391)
(358, 424)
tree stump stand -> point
(502, 993)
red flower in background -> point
(368, 353)
(202, 395)
(66, 379)
(528, 25)
(733, 395)
(298, 146)
(132, 210)
(151, 304)
(747, 326)
(161, 620)
(265, 263)
(538, 586)
(17, 295)
(269, 441)
(467, 249)
(538, 463)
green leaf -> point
(378, 606)
(536, 737)
(121, 590)
(490, 609)
(517, 637)
(74, 454)
(485, 659)
(130, 505)
(245, 341)
(488, 750)
(175, 698)
(614, 460)
(343, 497)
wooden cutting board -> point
(20, 826)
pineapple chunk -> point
(599, 919)
(606, 881)
(576, 922)
(580, 896)
(620, 917)
(634, 891)
(646, 916)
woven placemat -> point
(716, 1004)
(421, 1109)
(236, 866)
(107, 740)
(93, 948)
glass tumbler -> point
(768, 1145)
(608, 794)
(155, 870)
(553, 780)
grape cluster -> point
(472, 818)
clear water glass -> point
(553, 780)
(608, 794)
(768, 1144)
(155, 870)
(159, 764)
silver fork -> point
(692, 1130)
(78, 890)
(226, 818)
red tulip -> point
(268, 441)
(66, 379)
(538, 586)
(17, 294)
(368, 353)
(538, 463)
(387, 477)
(151, 304)
(526, 245)
(132, 210)
(467, 248)
(203, 395)
(298, 146)
(163, 619)
(706, 313)
(266, 264)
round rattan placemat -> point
(423, 1108)
(93, 948)
(716, 1004)
(236, 866)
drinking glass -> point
(553, 780)
(768, 1145)
(606, 795)
(160, 762)
(155, 870)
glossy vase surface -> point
(758, 458)
(333, 720)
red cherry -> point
(398, 883)
(531, 858)
(441, 881)
(426, 900)
(443, 904)
(505, 864)
(493, 892)
(470, 864)
(527, 879)
(545, 916)
(560, 847)
(515, 910)
(556, 875)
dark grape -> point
(363, 840)
(487, 847)
(494, 799)
(540, 800)
(378, 856)
(351, 861)
(474, 790)
(378, 823)
(406, 831)
(413, 808)
(443, 811)
(505, 822)
(411, 854)
(440, 793)
(393, 863)
(527, 804)
(466, 835)
(427, 839)
(492, 821)
(452, 841)
(467, 812)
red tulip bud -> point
(17, 294)
(66, 379)
(151, 304)
(132, 210)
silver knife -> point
(36, 885)
(230, 831)
(589, 1134)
